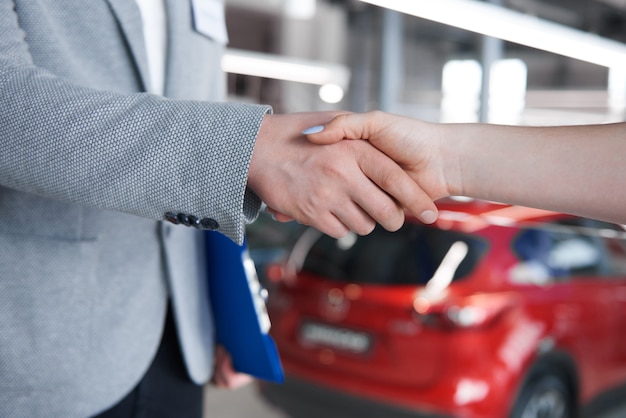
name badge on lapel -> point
(209, 19)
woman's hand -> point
(411, 143)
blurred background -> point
(527, 62)
(364, 57)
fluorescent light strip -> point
(279, 67)
(498, 22)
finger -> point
(370, 204)
(379, 206)
(224, 375)
(355, 218)
(228, 377)
(319, 217)
(231, 379)
(277, 216)
(236, 380)
(346, 126)
(330, 225)
(218, 377)
(391, 178)
(219, 382)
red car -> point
(494, 311)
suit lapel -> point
(178, 17)
(193, 61)
(128, 15)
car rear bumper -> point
(306, 400)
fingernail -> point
(313, 130)
(428, 216)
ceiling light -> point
(498, 22)
(331, 93)
(300, 9)
(279, 67)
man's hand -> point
(338, 187)
(224, 376)
(411, 143)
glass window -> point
(572, 247)
(408, 256)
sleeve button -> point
(193, 221)
(170, 216)
(208, 223)
(183, 219)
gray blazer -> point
(89, 166)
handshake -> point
(342, 172)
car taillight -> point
(469, 316)
(275, 273)
(466, 312)
(280, 273)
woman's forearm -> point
(574, 169)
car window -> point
(614, 238)
(408, 256)
(568, 248)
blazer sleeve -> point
(135, 153)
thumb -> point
(346, 126)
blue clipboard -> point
(241, 320)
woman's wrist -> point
(452, 142)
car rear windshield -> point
(407, 257)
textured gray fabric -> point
(89, 165)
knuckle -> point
(388, 210)
(319, 198)
(390, 216)
(341, 118)
(334, 173)
(376, 114)
(388, 181)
